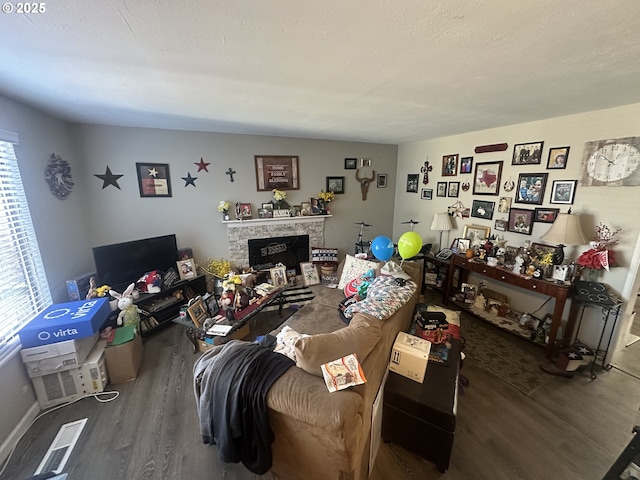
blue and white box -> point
(65, 321)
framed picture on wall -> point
(558, 157)
(153, 179)
(530, 188)
(412, 183)
(449, 165)
(486, 179)
(482, 209)
(466, 164)
(441, 189)
(563, 191)
(521, 220)
(277, 172)
(350, 163)
(454, 189)
(382, 180)
(527, 153)
(426, 194)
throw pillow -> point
(354, 267)
(384, 298)
(360, 284)
(359, 337)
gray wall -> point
(93, 216)
(59, 226)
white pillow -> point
(354, 267)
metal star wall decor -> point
(457, 209)
(108, 179)
(202, 165)
(189, 180)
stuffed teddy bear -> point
(129, 311)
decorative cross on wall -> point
(230, 172)
(426, 169)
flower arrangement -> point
(326, 197)
(279, 202)
(218, 268)
(103, 290)
(600, 255)
(224, 206)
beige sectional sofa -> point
(322, 435)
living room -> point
(93, 215)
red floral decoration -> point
(600, 255)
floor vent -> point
(56, 457)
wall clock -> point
(58, 176)
(611, 162)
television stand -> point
(165, 306)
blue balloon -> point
(382, 248)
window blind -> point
(24, 291)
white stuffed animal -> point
(129, 311)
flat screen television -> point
(120, 264)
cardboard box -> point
(409, 356)
(77, 288)
(65, 321)
(124, 360)
(61, 387)
(57, 357)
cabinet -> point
(559, 292)
(165, 306)
(435, 273)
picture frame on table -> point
(546, 215)
(197, 311)
(282, 168)
(563, 191)
(245, 211)
(486, 178)
(350, 163)
(482, 209)
(381, 180)
(453, 189)
(426, 194)
(316, 206)
(211, 302)
(521, 221)
(154, 179)
(531, 187)
(278, 276)
(466, 165)
(463, 245)
(558, 157)
(412, 183)
(335, 185)
(186, 268)
(450, 165)
(305, 209)
(560, 273)
(309, 273)
(268, 210)
(441, 189)
(527, 153)
(444, 254)
(476, 231)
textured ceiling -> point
(374, 71)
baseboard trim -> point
(17, 433)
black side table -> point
(421, 417)
(597, 295)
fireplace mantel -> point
(272, 222)
(240, 231)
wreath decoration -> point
(58, 176)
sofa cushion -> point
(384, 298)
(359, 337)
(353, 268)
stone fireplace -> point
(239, 232)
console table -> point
(559, 292)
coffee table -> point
(240, 326)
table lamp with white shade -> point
(566, 230)
(441, 222)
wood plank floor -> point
(568, 429)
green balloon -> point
(409, 245)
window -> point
(24, 291)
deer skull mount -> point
(364, 183)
